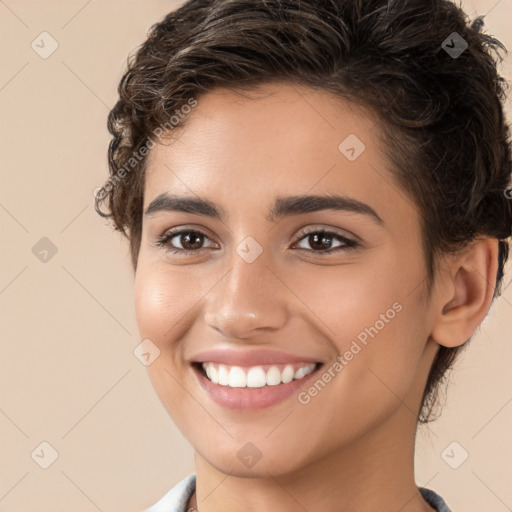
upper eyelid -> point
(306, 230)
(172, 232)
(301, 232)
(351, 241)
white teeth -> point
(273, 376)
(288, 374)
(305, 370)
(256, 377)
(213, 374)
(237, 378)
(300, 373)
(223, 375)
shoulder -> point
(176, 499)
(434, 499)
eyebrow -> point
(290, 205)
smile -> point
(252, 379)
(256, 376)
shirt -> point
(177, 498)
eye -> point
(189, 241)
(321, 240)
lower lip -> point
(250, 398)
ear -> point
(465, 292)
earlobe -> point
(463, 302)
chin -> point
(260, 459)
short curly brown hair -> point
(441, 114)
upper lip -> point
(249, 357)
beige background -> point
(68, 375)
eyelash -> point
(349, 244)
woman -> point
(315, 196)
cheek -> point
(346, 300)
(161, 307)
(163, 302)
(373, 317)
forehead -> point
(246, 148)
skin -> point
(351, 447)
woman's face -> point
(254, 291)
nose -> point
(248, 301)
